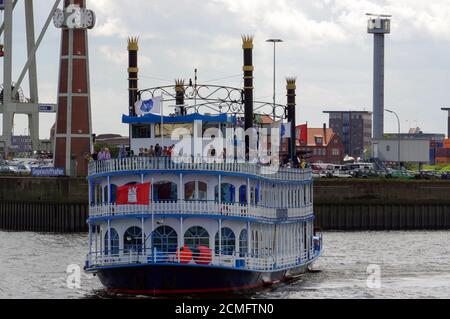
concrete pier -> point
(60, 205)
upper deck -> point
(146, 165)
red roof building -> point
(324, 146)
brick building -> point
(323, 146)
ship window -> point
(252, 195)
(191, 193)
(114, 245)
(132, 240)
(228, 242)
(196, 236)
(165, 239)
(227, 193)
(243, 243)
(141, 131)
(170, 128)
(113, 193)
(165, 192)
(258, 195)
(243, 194)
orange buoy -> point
(184, 255)
(204, 256)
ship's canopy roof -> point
(157, 119)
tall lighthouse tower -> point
(73, 138)
(378, 25)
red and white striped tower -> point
(73, 139)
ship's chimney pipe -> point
(291, 88)
(133, 73)
(180, 90)
(247, 46)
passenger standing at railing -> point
(151, 152)
(158, 150)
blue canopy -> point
(153, 118)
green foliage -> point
(438, 168)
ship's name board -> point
(48, 172)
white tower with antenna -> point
(378, 25)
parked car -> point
(8, 169)
(428, 175)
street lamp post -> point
(399, 137)
(274, 41)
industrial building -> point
(354, 128)
(402, 150)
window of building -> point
(336, 152)
(388, 148)
(132, 240)
(196, 236)
(165, 239)
(141, 131)
(319, 140)
(114, 243)
(228, 242)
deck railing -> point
(203, 258)
(166, 163)
(198, 208)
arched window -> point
(132, 240)
(165, 192)
(196, 236)
(114, 244)
(228, 242)
(243, 194)
(196, 191)
(165, 239)
(243, 243)
(227, 193)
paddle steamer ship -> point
(207, 221)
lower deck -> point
(196, 242)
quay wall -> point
(59, 205)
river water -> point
(407, 264)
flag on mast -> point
(153, 106)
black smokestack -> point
(247, 46)
(133, 71)
(248, 80)
(291, 88)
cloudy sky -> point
(326, 47)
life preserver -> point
(184, 255)
(204, 256)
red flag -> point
(136, 194)
(302, 134)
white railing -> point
(196, 208)
(166, 163)
(204, 258)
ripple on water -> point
(413, 265)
